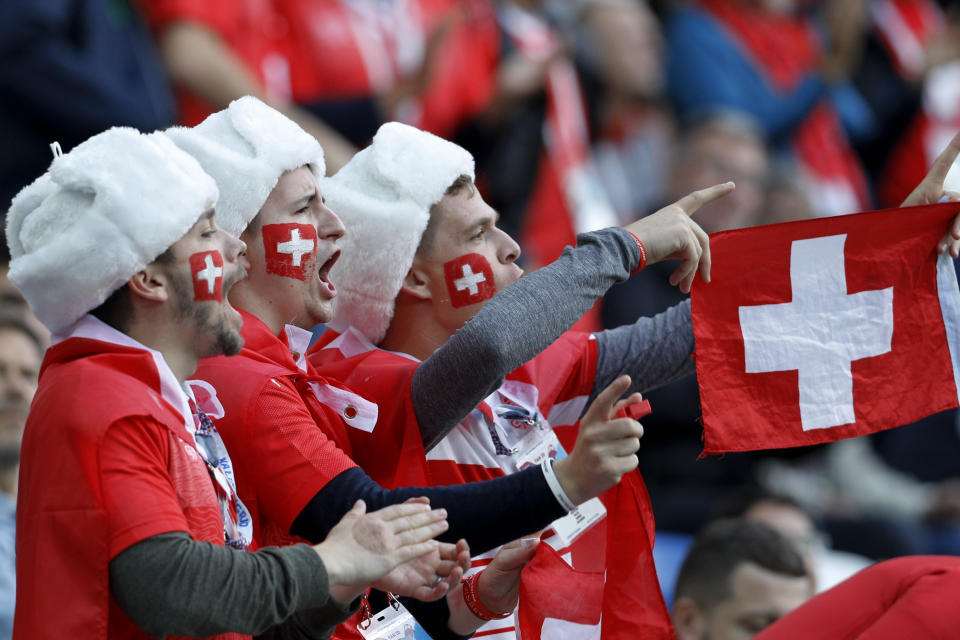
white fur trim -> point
(246, 148)
(383, 196)
(101, 213)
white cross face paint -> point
(469, 280)
(296, 247)
(820, 332)
(207, 270)
(290, 249)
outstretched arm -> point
(490, 513)
(526, 317)
(166, 583)
(653, 351)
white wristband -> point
(554, 483)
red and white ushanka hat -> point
(383, 196)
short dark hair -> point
(740, 501)
(463, 182)
(723, 546)
(116, 310)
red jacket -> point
(285, 427)
(83, 499)
(553, 389)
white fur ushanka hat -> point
(383, 196)
(246, 148)
(100, 214)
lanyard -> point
(237, 523)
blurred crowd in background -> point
(581, 114)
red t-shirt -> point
(553, 387)
(124, 468)
(285, 427)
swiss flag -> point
(206, 398)
(557, 601)
(633, 606)
(819, 330)
(619, 601)
(290, 249)
(207, 270)
(469, 280)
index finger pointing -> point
(602, 406)
(693, 201)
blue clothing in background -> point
(71, 69)
(8, 564)
(708, 71)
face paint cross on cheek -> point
(290, 249)
(469, 280)
(207, 269)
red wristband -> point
(472, 598)
(643, 254)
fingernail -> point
(529, 542)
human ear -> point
(149, 283)
(688, 621)
(417, 282)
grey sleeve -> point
(317, 623)
(654, 351)
(513, 327)
(170, 584)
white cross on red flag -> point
(825, 329)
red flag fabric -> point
(819, 330)
(633, 606)
(558, 601)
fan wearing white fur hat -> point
(128, 520)
(423, 262)
(298, 438)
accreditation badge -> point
(392, 623)
(540, 446)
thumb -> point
(359, 508)
(602, 407)
(515, 555)
(633, 398)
